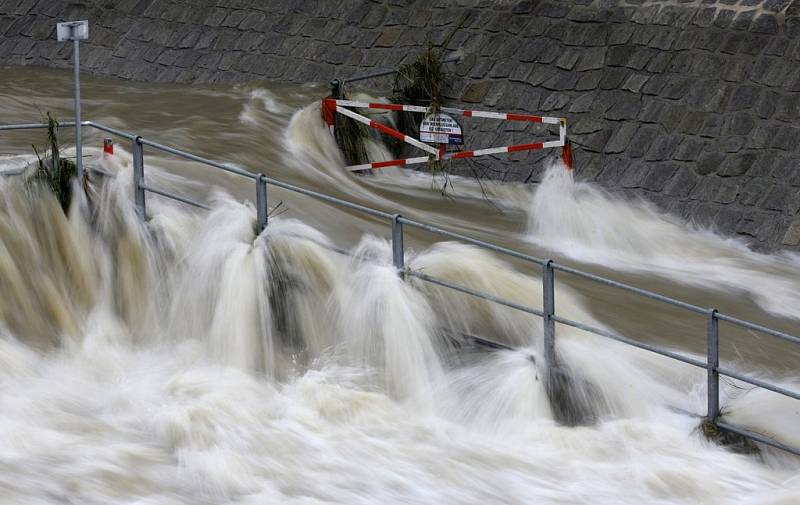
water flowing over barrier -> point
(565, 397)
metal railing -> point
(549, 268)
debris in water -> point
(728, 439)
(54, 171)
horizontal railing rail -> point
(547, 313)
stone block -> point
(635, 82)
(676, 88)
(709, 40)
(233, 18)
(658, 176)
(792, 235)
(290, 24)
(618, 56)
(687, 40)
(389, 37)
(662, 148)
(552, 9)
(591, 59)
(737, 165)
(621, 138)
(420, 18)
(366, 39)
(724, 18)
(710, 163)
(587, 125)
(567, 60)
(681, 183)
(555, 101)
(535, 27)
(582, 104)
(540, 74)
(753, 44)
(655, 84)
(626, 108)
(562, 81)
(704, 17)
(620, 34)
(741, 123)
(612, 78)
(652, 110)
(255, 21)
(744, 97)
(785, 137)
(593, 142)
(727, 218)
(689, 149)
(788, 108)
(765, 23)
(475, 92)
(634, 175)
(589, 80)
(374, 16)
(641, 141)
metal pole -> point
(713, 366)
(397, 244)
(138, 177)
(549, 309)
(78, 147)
(262, 210)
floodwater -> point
(190, 361)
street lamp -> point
(75, 31)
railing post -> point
(138, 177)
(713, 365)
(549, 309)
(262, 210)
(398, 258)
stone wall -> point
(690, 104)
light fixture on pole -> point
(75, 31)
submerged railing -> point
(549, 268)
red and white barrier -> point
(331, 106)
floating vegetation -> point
(733, 441)
(53, 171)
(350, 135)
(419, 83)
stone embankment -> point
(690, 104)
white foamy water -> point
(582, 221)
(190, 361)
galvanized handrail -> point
(548, 275)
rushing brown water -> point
(333, 393)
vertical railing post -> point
(262, 209)
(549, 309)
(75, 31)
(78, 137)
(398, 254)
(713, 365)
(138, 177)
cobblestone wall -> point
(691, 104)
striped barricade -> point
(331, 106)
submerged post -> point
(262, 210)
(398, 258)
(138, 177)
(75, 31)
(713, 366)
(549, 310)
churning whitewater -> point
(191, 360)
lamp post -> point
(75, 31)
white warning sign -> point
(440, 129)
